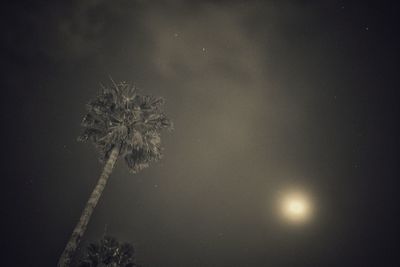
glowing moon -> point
(295, 207)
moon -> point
(296, 207)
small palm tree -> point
(108, 252)
(120, 123)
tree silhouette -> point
(120, 123)
(108, 252)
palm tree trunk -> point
(69, 251)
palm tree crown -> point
(108, 252)
(121, 117)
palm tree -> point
(108, 252)
(120, 123)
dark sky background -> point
(265, 96)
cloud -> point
(207, 39)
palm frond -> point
(108, 252)
(120, 116)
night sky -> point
(266, 96)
